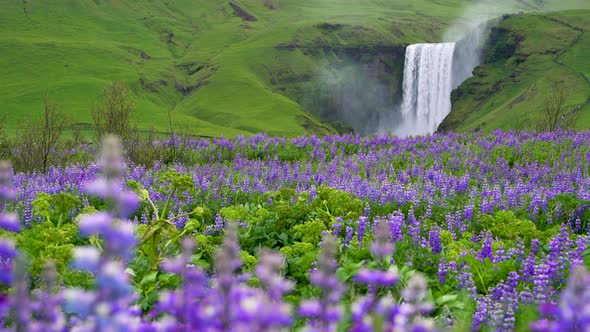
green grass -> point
(510, 93)
(71, 49)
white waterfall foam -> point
(427, 87)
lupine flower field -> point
(442, 233)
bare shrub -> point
(178, 140)
(38, 143)
(146, 148)
(113, 113)
(555, 114)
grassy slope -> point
(71, 49)
(510, 93)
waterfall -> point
(427, 86)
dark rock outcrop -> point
(242, 13)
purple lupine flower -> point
(376, 278)
(349, 235)
(381, 246)
(416, 289)
(444, 269)
(219, 223)
(46, 305)
(574, 305)
(332, 290)
(337, 227)
(86, 258)
(573, 311)
(360, 231)
(7, 248)
(396, 224)
(97, 223)
(113, 285)
(7, 193)
(10, 222)
(468, 212)
(466, 281)
(360, 310)
(108, 185)
(482, 309)
(227, 261)
(434, 240)
(268, 271)
(542, 285)
(310, 309)
(486, 249)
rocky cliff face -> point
(355, 86)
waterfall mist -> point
(471, 31)
(362, 99)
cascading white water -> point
(427, 87)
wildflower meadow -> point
(449, 232)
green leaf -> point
(446, 299)
(130, 271)
(342, 274)
(284, 237)
(167, 226)
(149, 279)
(151, 233)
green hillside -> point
(223, 67)
(527, 55)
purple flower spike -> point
(366, 276)
(360, 231)
(382, 246)
(7, 248)
(112, 276)
(78, 301)
(111, 158)
(100, 188)
(416, 289)
(388, 278)
(10, 222)
(268, 271)
(86, 258)
(128, 203)
(120, 238)
(7, 193)
(310, 309)
(97, 223)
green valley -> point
(242, 67)
(527, 57)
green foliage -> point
(505, 225)
(47, 241)
(55, 208)
(150, 284)
(338, 203)
(300, 258)
(310, 232)
(249, 261)
(487, 274)
(234, 213)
